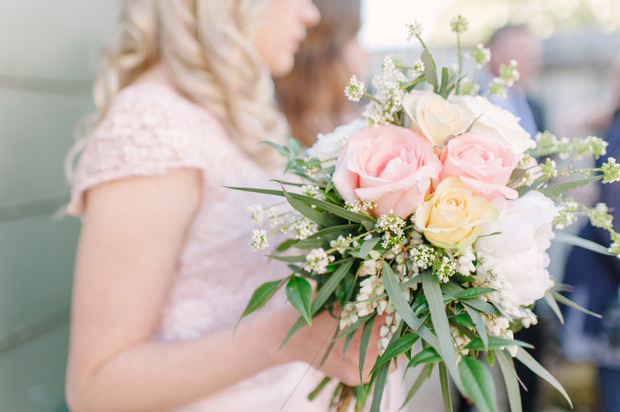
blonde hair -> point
(206, 47)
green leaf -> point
(563, 299)
(299, 293)
(553, 304)
(283, 150)
(393, 290)
(333, 231)
(366, 333)
(335, 209)
(507, 366)
(310, 243)
(312, 395)
(367, 246)
(312, 214)
(480, 326)
(398, 347)
(321, 297)
(537, 368)
(580, 242)
(423, 376)
(294, 146)
(496, 343)
(286, 245)
(260, 296)
(430, 69)
(347, 342)
(478, 383)
(379, 387)
(290, 259)
(464, 319)
(354, 327)
(558, 189)
(428, 355)
(471, 293)
(444, 83)
(445, 387)
(432, 290)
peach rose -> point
(483, 164)
(434, 117)
(389, 165)
(453, 216)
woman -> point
(312, 96)
(163, 272)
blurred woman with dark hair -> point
(311, 96)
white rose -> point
(495, 121)
(328, 146)
(519, 250)
(434, 117)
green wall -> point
(48, 53)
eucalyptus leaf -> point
(539, 370)
(511, 380)
(299, 293)
(557, 189)
(445, 387)
(398, 347)
(553, 304)
(472, 293)
(380, 382)
(312, 214)
(496, 343)
(563, 299)
(428, 355)
(294, 146)
(423, 376)
(581, 242)
(432, 290)
(283, 150)
(286, 245)
(478, 383)
(260, 296)
(481, 328)
(430, 69)
(367, 246)
(366, 333)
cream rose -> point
(482, 164)
(388, 165)
(494, 122)
(453, 216)
(434, 117)
(519, 249)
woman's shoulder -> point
(148, 130)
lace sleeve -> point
(148, 131)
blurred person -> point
(596, 282)
(312, 95)
(164, 269)
(517, 42)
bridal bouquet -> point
(432, 216)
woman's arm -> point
(133, 232)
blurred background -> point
(48, 56)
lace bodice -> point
(148, 131)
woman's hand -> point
(310, 343)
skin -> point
(126, 262)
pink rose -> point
(389, 165)
(483, 164)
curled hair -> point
(312, 96)
(206, 47)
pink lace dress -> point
(148, 131)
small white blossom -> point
(274, 216)
(348, 316)
(359, 206)
(304, 228)
(465, 262)
(256, 213)
(611, 171)
(341, 244)
(388, 65)
(446, 269)
(355, 90)
(480, 54)
(414, 30)
(312, 191)
(392, 320)
(459, 24)
(259, 240)
(599, 216)
(567, 214)
(318, 260)
(423, 256)
(370, 288)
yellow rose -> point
(452, 217)
(434, 117)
